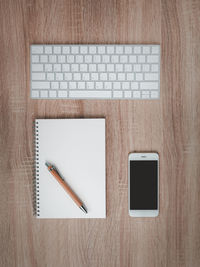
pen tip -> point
(83, 209)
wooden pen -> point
(62, 182)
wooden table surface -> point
(169, 126)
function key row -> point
(92, 49)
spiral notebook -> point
(77, 148)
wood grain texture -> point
(170, 126)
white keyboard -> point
(95, 71)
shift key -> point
(40, 85)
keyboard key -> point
(35, 94)
(127, 94)
(141, 59)
(53, 94)
(38, 76)
(92, 67)
(90, 94)
(139, 76)
(37, 67)
(74, 49)
(119, 67)
(77, 76)
(132, 59)
(117, 94)
(75, 67)
(151, 76)
(48, 49)
(154, 94)
(83, 67)
(128, 50)
(101, 67)
(48, 67)
(105, 59)
(123, 59)
(101, 49)
(136, 94)
(146, 50)
(83, 50)
(130, 76)
(116, 85)
(152, 59)
(125, 85)
(40, 85)
(110, 67)
(54, 85)
(94, 76)
(43, 58)
(68, 76)
(57, 50)
(85, 76)
(79, 59)
(59, 76)
(35, 59)
(112, 76)
(63, 85)
(154, 67)
(70, 59)
(38, 49)
(66, 50)
(96, 59)
(148, 85)
(121, 76)
(72, 85)
(103, 76)
(108, 85)
(137, 67)
(119, 50)
(92, 50)
(65, 67)
(50, 76)
(43, 94)
(57, 67)
(99, 85)
(128, 67)
(62, 94)
(52, 59)
(145, 67)
(145, 95)
(88, 59)
(155, 50)
(81, 85)
(61, 59)
(137, 50)
(110, 50)
(115, 59)
(134, 85)
(90, 85)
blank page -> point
(77, 149)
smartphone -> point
(143, 183)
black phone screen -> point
(143, 184)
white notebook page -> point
(77, 149)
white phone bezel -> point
(142, 156)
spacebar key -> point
(90, 94)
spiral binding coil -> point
(36, 178)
